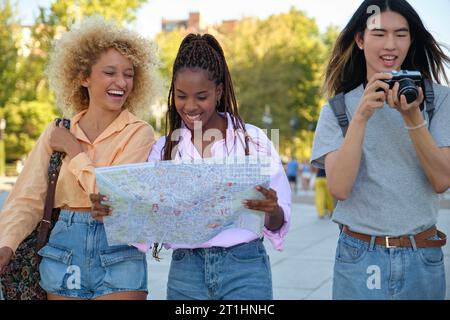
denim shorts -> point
(77, 261)
(241, 272)
(364, 271)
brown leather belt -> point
(421, 239)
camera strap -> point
(337, 104)
(429, 99)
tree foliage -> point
(277, 66)
(31, 104)
(26, 122)
(69, 11)
(168, 44)
(9, 47)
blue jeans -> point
(372, 272)
(77, 261)
(241, 272)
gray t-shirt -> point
(391, 195)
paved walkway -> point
(304, 269)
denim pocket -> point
(432, 256)
(349, 251)
(54, 267)
(59, 228)
(249, 252)
(125, 268)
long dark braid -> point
(203, 52)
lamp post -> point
(2, 147)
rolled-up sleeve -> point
(439, 126)
(327, 138)
(280, 184)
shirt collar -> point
(125, 118)
(229, 142)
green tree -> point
(329, 38)
(32, 84)
(277, 64)
(69, 11)
(168, 43)
(26, 122)
(9, 47)
(32, 107)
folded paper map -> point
(182, 202)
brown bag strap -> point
(53, 174)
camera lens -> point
(408, 89)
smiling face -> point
(196, 98)
(110, 81)
(385, 48)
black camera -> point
(409, 81)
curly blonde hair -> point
(77, 50)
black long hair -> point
(203, 52)
(346, 69)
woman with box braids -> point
(204, 52)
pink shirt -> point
(260, 144)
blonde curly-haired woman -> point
(103, 74)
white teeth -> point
(193, 118)
(389, 58)
(116, 92)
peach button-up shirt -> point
(126, 140)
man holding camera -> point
(388, 170)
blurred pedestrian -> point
(323, 198)
(292, 174)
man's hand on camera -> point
(374, 96)
(401, 104)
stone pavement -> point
(304, 269)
